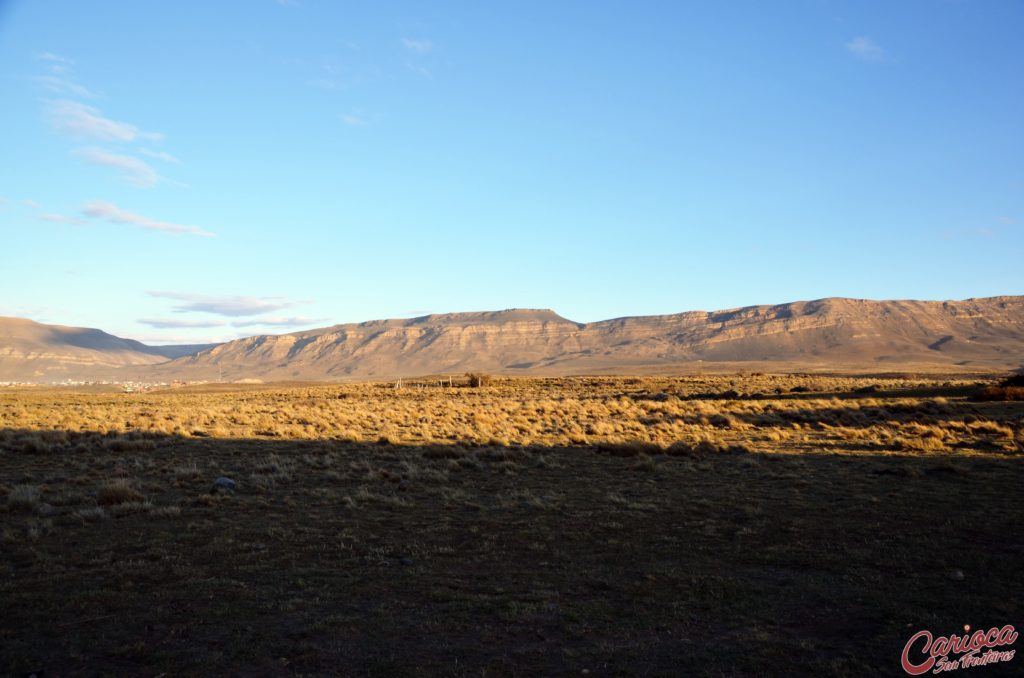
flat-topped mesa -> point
(540, 315)
(823, 332)
(512, 315)
(833, 333)
(431, 343)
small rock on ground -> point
(223, 484)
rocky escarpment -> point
(828, 333)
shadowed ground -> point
(335, 557)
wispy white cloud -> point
(159, 155)
(54, 58)
(59, 78)
(354, 120)
(115, 215)
(421, 70)
(329, 84)
(63, 85)
(418, 46)
(336, 76)
(865, 48)
(980, 232)
(80, 120)
(55, 218)
(37, 313)
(169, 323)
(164, 339)
(297, 321)
(133, 170)
(232, 306)
(51, 217)
(418, 49)
(1007, 221)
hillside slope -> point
(835, 333)
(31, 351)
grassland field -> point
(705, 525)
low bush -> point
(1014, 393)
(478, 379)
(118, 492)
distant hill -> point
(31, 351)
(826, 334)
(836, 334)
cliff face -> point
(827, 333)
(844, 332)
(430, 344)
(836, 334)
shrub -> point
(118, 492)
(436, 451)
(1015, 393)
(120, 444)
(703, 448)
(631, 448)
(478, 379)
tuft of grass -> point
(118, 491)
(643, 463)
(130, 507)
(704, 448)
(187, 471)
(272, 465)
(632, 448)
(443, 452)
(526, 497)
(621, 501)
(123, 444)
(23, 498)
(91, 514)
(364, 495)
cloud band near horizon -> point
(231, 306)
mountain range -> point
(834, 334)
(34, 352)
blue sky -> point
(190, 171)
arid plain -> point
(730, 524)
(486, 339)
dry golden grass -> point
(118, 492)
(1013, 393)
(760, 413)
(529, 526)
